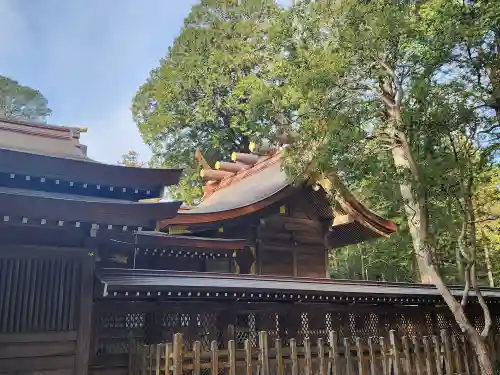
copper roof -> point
(129, 282)
(257, 186)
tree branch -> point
(465, 294)
(492, 218)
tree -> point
(198, 96)
(383, 71)
(131, 159)
(22, 102)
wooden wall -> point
(45, 310)
(291, 243)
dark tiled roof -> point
(131, 281)
(64, 207)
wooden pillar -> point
(85, 314)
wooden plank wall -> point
(51, 353)
(45, 310)
(289, 245)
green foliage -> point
(248, 69)
(199, 95)
(22, 102)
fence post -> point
(264, 353)
(293, 357)
(158, 358)
(447, 352)
(383, 352)
(428, 355)
(418, 356)
(321, 355)
(168, 354)
(333, 353)
(231, 357)
(248, 357)
(437, 353)
(214, 358)
(347, 356)
(406, 349)
(396, 364)
(177, 360)
(359, 351)
(279, 358)
(308, 359)
(196, 357)
(372, 356)
(464, 343)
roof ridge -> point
(244, 173)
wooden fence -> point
(434, 355)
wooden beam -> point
(248, 159)
(212, 174)
(230, 167)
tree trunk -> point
(412, 210)
(415, 201)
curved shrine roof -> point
(255, 187)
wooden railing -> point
(443, 355)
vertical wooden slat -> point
(491, 347)
(334, 353)
(197, 357)
(406, 349)
(78, 269)
(395, 353)
(347, 356)
(4, 289)
(372, 356)
(158, 353)
(294, 357)
(264, 353)
(359, 352)
(418, 356)
(248, 357)
(448, 361)
(307, 357)
(60, 324)
(39, 290)
(280, 370)
(214, 358)
(35, 278)
(383, 352)
(437, 355)
(168, 355)
(428, 355)
(231, 346)
(24, 297)
(50, 294)
(85, 315)
(13, 297)
(321, 355)
(177, 360)
(43, 293)
(463, 342)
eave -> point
(40, 206)
(141, 284)
(148, 239)
(85, 171)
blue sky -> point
(88, 57)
